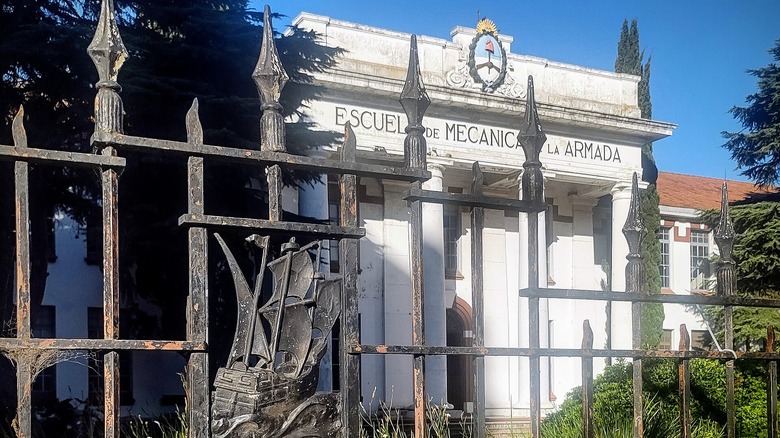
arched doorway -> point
(460, 369)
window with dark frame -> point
(335, 355)
(701, 340)
(666, 340)
(664, 263)
(95, 365)
(700, 259)
(94, 237)
(44, 327)
(334, 218)
(451, 234)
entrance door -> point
(460, 375)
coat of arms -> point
(487, 58)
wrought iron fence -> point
(31, 354)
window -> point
(45, 327)
(664, 265)
(451, 235)
(95, 364)
(700, 340)
(94, 235)
(666, 340)
(335, 355)
(700, 259)
(334, 218)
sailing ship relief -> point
(267, 387)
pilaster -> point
(621, 311)
(435, 305)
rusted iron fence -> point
(31, 354)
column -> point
(584, 275)
(498, 382)
(435, 306)
(312, 202)
(544, 314)
(313, 198)
(397, 295)
(621, 311)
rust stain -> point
(47, 343)
(381, 349)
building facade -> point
(687, 246)
(477, 86)
(72, 308)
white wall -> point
(72, 286)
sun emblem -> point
(486, 25)
(487, 58)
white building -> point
(595, 135)
(594, 143)
(72, 308)
(687, 246)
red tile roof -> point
(699, 192)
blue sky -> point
(700, 52)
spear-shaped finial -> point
(17, 129)
(415, 101)
(634, 230)
(724, 238)
(270, 77)
(532, 130)
(532, 139)
(724, 233)
(108, 52)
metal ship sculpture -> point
(267, 388)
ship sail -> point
(327, 299)
(244, 298)
(287, 309)
(296, 326)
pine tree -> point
(757, 258)
(629, 60)
(200, 49)
(756, 148)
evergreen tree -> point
(200, 49)
(756, 148)
(645, 104)
(620, 61)
(757, 258)
(629, 60)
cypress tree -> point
(634, 55)
(643, 90)
(620, 61)
(629, 60)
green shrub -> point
(613, 401)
